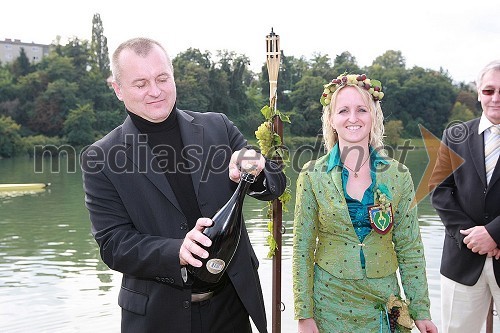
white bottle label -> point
(215, 266)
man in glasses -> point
(467, 198)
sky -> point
(459, 37)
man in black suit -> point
(467, 198)
(150, 186)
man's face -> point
(489, 96)
(146, 86)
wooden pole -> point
(277, 234)
(273, 56)
(489, 318)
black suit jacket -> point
(139, 226)
(463, 200)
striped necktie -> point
(491, 151)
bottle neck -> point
(247, 177)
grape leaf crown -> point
(374, 87)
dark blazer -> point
(139, 226)
(463, 201)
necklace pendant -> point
(355, 175)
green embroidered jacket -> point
(324, 234)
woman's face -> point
(351, 118)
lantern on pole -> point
(273, 59)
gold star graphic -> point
(435, 174)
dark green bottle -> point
(224, 233)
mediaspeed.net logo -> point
(432, 175)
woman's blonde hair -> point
(330, 136)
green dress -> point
(343, 271)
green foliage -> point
(270, 144)
(306, 110)
(55, 67)
(79, 125)
(192, 77)
(10, 139)
(460, 112)
(468, 98)
(79, 51)
(108, 119)
(7, 91)
(310, 143)
(344, 62)
(29, 143)
(21, 66)
(99, 47)
(39, 97)
(393, 130)
(52, 107)
(390, 60)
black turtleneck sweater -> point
(165, 141)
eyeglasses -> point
(489, 92)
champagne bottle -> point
(224, 233)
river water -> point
(51, 276)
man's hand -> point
(478, 240)
(192, 241)
(247, 160)
(495, 253)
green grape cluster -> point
(374, 87)
(264, 135)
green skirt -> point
(351, 306)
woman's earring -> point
(334, 131)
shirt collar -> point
(334, 158)
(484, 124)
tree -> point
(235, 68)
(99, 47)
(460, 112)
(79, 53)
(21, 65)
(306, 112)
(469, 99)
(79, 125)
(52, 107)
(10, 139)
(344, 62)
(419, 96)
(393, 130)
(320, 66)
(6, 84)
(391, 59)
(192, 74)
(56, 66)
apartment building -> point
(11, 48)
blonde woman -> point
(355, 225)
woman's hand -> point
(426, 326)
(307, 326)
